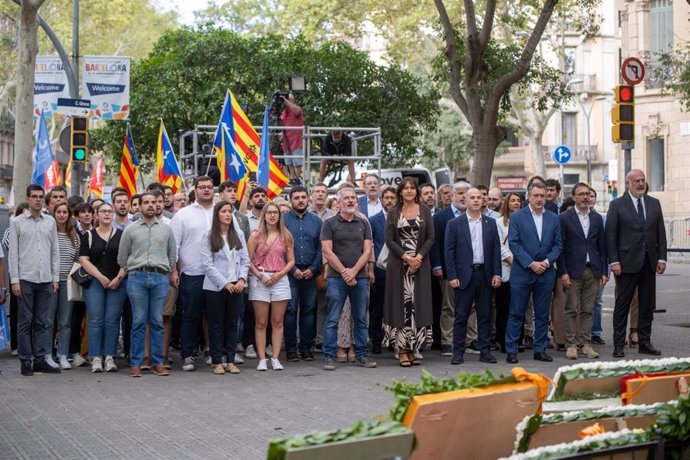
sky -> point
(185, 8)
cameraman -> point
(336, 144)
(293, 115)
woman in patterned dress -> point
(407, 312)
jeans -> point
(34, 322)
(223, 313)
(596, 312)
(104, 309)
(64, 316)
(147, 292)
(303, 300)
(337, 291)
(192, 308)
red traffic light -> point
(625, 94)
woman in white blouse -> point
(225, 261)
(511, 203)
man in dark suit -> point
(438, 263)
(535, 241)
(582, 268)
(378, 290)
(370, 204)
(473, 265)
(636, 246)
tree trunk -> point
(23, 123)
(485, 143)
(535, 148)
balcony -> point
(579, 153)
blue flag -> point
(263, 168)
(43, 159)
(234, 165)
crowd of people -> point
(414, 269)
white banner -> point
(50, 83)
(105, 82)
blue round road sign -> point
(562, 154)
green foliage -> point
(405, 391)
(185, 77)
(532, 426)
(449, 144)
(674, 72)
(358, 431)
(674, 420)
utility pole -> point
(77, 170)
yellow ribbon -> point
(540, 380)
(627, 396)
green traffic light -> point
(79, 154)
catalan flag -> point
(248, 144)
(129, 165)
(68, 177)
(96, 183)
(168, 171)
(229, 160)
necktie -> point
(640, 211)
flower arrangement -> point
(613, 369)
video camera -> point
(277, 102)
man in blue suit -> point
(535, 241)
(370, 204)
(473, 265)
(378, 290)
(438, 263)
(582, 269)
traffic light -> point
(79, 139)
(623, 114)
(609, 187)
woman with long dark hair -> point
(407, 314)
(68, 243)
(511, 203)
(225, 261)
(107, 291)
(272, 257)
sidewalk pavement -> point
(199, 415)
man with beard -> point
(428, 192)
(370, 204)
(190, 225)
(319, 195)
(495, 199)
(378, 290)
(147, 253)
(121, 207)
(257, 200)
(169, 198)
(305, 228)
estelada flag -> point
(168, 171)
(96, 183)
(248, 144)
(129, 165)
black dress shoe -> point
(44, 367)
(543, 357)
(292, 357)
(457, 359)
(307, 356)
(511, 358)
(598, 340)
(528, 342)
(487, 358)
(376, 348)
(521, 348)
(648, 349)
(27, 370)
(618, 353)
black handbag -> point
(82, 278)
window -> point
(656, 163)
(660, 37)
(570, 179)
(569, 127)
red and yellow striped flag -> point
(129, 166)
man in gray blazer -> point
(636, 247)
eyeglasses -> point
(204, 187)
(272, 212)
(105, 211)
(583, 194)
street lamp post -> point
(587, 114)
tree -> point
(674, 71)
(184, 79)
(23, 125)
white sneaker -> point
(208, 360)
(418, 355)
(275, 364)
(249, 353)
(238, 359)
(14, 352)
(262, 365)
(51, 362)
(96, 365)
(64, 364)
(78, 360)
(188, 364)
(110, 365)
(269, 351)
